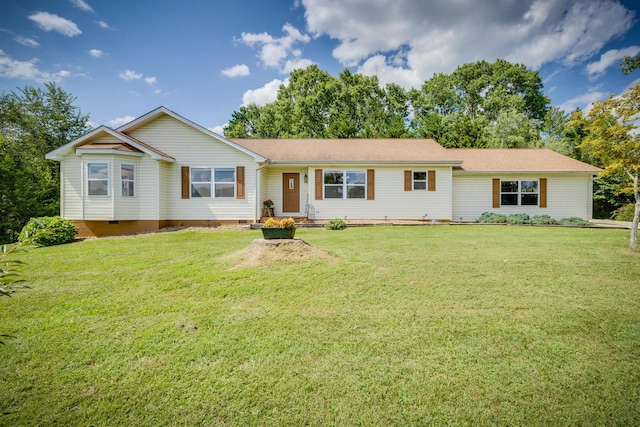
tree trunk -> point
(633, 240)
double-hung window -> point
(127, 180)
(419, 180)
(345, 184)
(519, 193)
(213, 182)
(98, 179)
(224, 182)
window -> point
(519, 193)
(224, 183)
(221, 180)
(420, 180)
(200, 182)
(98, 179)
(345, 184)
(127, 180)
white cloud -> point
(81, 4)
(584, 102)
(275, 52)
(236, 71)
(50, 22)
(103, 24)
(129, 75)
(609, 58)
(26, 41)
(119, 121)
(27, 70)
(96, 53)
(296, 64)
(407, 41)
(219, 129)
(150, 80)
(263, 95)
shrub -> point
(49, 231)
(574, 221)
(492, 218)
(336, 224)
(543, 220)
(520, 218)
(625, 213)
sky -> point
(204, 59)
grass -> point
(399, 326)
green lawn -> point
(397, 326)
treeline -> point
(480, 104)
(32, 123)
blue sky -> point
(204, 59)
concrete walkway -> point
(609, 223)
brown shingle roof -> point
(349, 150)
(517, 160)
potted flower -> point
(268, 203)
(283, 229)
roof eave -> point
(365, 162)
(494, 172)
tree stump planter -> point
(278, 233)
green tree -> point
(33, 121)
(629, 64)
(315, 104)
(613, 139)
(481, 104)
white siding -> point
(71, 187)
(567, 196)
(191, 147)
(391, 201)
(273, 180)
(99, 208)
(125, 208)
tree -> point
(612, 138)
(33, 121)
(629, 64)
(481, 104)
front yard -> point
(380, 326)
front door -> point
(290, 192)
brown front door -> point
(290, 192)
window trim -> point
(345, 185)
(132, 180)
(215, 183)
(519, 193)
(414, 180)
(107, 179)
(212, 183)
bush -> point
(543, 220)
(574, 221)
(336, 224)
(492, 218)
(49, 231)
(521, 218)
(625, 213)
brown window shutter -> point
(543, 192)
(240, 182)
(431, 181)
(408, 180)
(371, 184)
(496, 192)
(319, 183)
(185, 182)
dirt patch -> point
(263, 252)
